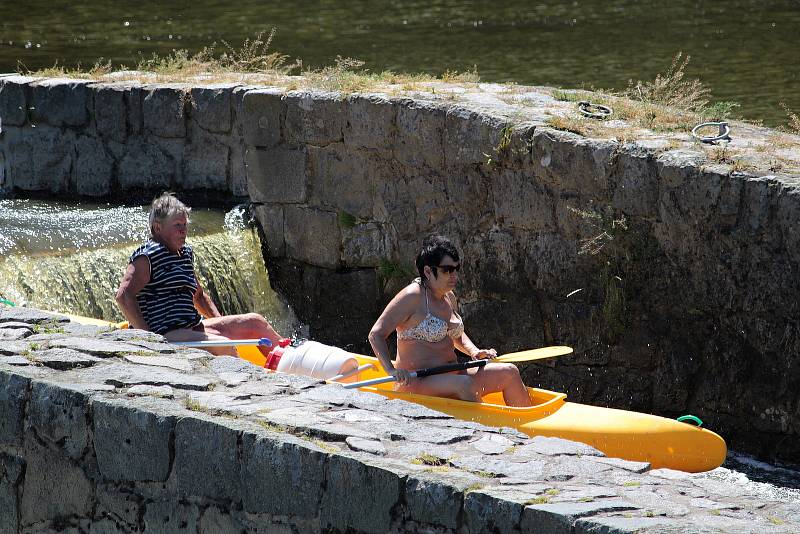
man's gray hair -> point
(165, 207)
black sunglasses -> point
(448, 268)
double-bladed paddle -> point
(523, 356)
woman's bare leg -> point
(502, 377)
(451, 385)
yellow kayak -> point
(618, 433)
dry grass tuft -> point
(794, 119)
(671, 89)
(98, 70)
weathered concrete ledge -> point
(117, 431)
(672, 272)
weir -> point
(71, 259)
(647, 255)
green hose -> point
(6, 302)
(692, 418)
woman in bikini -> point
(429, 328)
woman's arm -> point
(464, 343)
(135, 278)
(398, 311)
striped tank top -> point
(166, 300)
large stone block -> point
(420, 134)
(469, 136)
(15, 93)
(211, 107)
(11, 470)
(350, 481)
(164, 110)
(314, 118)
(145, 165)
(561, 517)
(111, 111)
(134, 101)
(636, 191)
(521, 201)
(48, 475)
(131, 443)
(60, 102)
(59, 416)
(276, 175)
(205, 164)
(366, 245)
(170, 517)
(370, 123)
(281, 476)
(270, 218)
(312, 236)
(39, 159)
(206, 460)
(117, 503)
(572, 164)
(13, 396)
(263, 112)
(343, 179)
(433, 503)
(237, 174)
(486, 513)
(94, 168)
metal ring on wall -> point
(724, 132)
(595, 111)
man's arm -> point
(135, 278)
(203, 302)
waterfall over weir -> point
(71, 258)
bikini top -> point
(432, 328)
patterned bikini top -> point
(432, 328)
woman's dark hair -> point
(434, 248)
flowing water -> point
(746, 51)
(70, 258)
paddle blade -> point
(534, 354)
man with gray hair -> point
(160, 291)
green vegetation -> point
(428, 459)
(543, 499)
(473, 487)
(794, 120)
(389, 270)
(502, 149)
(347, 220)
(48, 327)
(273, 427)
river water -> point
(747, 51)
(70, 257)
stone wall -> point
(672, 277)
(106, 431)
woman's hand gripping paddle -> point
(523, 356)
